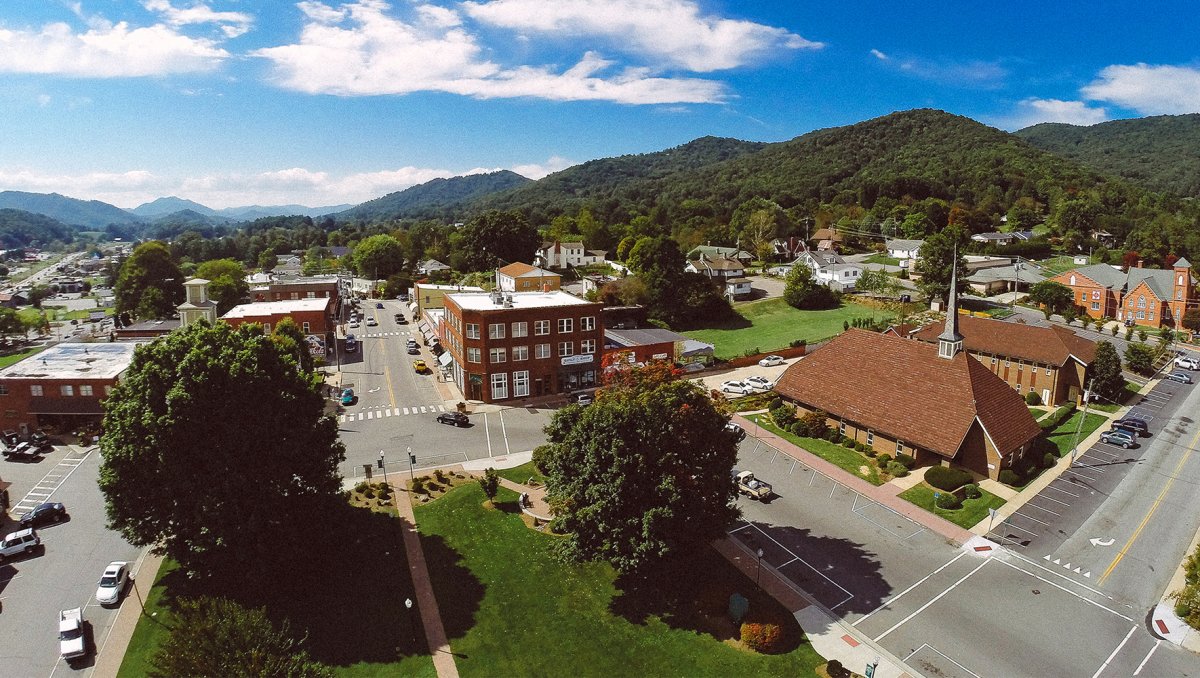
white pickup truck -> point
(751, 486)
(72, 642)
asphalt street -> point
(396, 408)
(64, 574)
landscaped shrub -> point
(946, 478)
(1007, 476)
(775, 404)
(815, 424)
(441, 477)
(798, 343)
(799, 429)
(1049, 459)
(835, 669)
(883, 459)
(947, 501)
(369, 492)
(896, 469)
(861, 447)
(832, 435)
(1032, 398)
(761, 637)
(418, 485)
(1057, 417)
(848, 443)
(972, 491)
(361, 488)
(541, 454)
(905, 459)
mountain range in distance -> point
(170, 205)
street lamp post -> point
(412, 624)
(758, 571)
(412, 461)
(383, 465)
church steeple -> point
(950, 341)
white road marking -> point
(1066, 590)
(406, 410)
(504, 432)
(1029, 503)
(896, 597)
(927, 645)
(936, 598)
(1114, 653)
(488, 433)
(1147, 658)
(1059, 489)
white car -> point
(1187, 362)
(771, 361)
(371, 322)
(112, 583)
(736, 387)
(760, 382)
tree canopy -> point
(1107, 380)
(801, 290)
(214, 446)
(937, 262)
(496, 237)
(150, 284)
(227, 282)
(641, 474)
(379, 257)
(1053, 297)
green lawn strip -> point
(844, 458)
(882, 259)
(1038, 413)
(771, 324)
(151, 629)
(511, 608)
(521, 474)
(7, 360)
(972, 511)
(1064, 435)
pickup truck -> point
(72, 642)
(751, 486)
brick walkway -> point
(431, 617)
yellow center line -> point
(387, 372)
(1153, 508)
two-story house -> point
(567, 255)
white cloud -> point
(360, 50)
(296, 185)
(106, 51)
(975, 74)
(879, 55)
(232, 24)
(1032, 111)
(674, 31)
(1148, 89)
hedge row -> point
(1060, 415)
(946, 478)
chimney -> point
(1139, 265)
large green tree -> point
(1106, 379)
(1053, 297)
(801, 290)
(150, 284)
(215, 446)
(379, 257)
(642, 474)
(1140, 357)
(675, 296)
(227, 282)
(293, 342)
(218, 637)
(937, 262)
(497, 237)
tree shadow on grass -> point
(459, 592)
(693, 592)
(734, 321)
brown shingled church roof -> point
(1044, 345)
(902, 389)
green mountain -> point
(1161, 153)
(912, 154)
(437, 198)
(19, 228)
(89, 214)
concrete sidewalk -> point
(111, 651)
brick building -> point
(1140, 296)
(314, 316)
(1050, 361)
(502, 346)
(296, 288)
(519, 277)
(63, 387)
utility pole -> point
(1079, 425)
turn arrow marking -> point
(1102, 542)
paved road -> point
(33, 590)
(396, 407)
(948, 610)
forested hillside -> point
(437, 198)
(19, 228)
(89, 214)
(1161, 153)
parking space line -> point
(927, 645)
(1074, 472)
(1147, 658)
(1017, 527)
(896, 597)
(850, 596)
(1030, 503)
(1053, 486)
(504, 432)
(1023, 515)
(936, 598)
(1114, 653)
(1056, 501)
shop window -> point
(521, 384)
(566, 348)
(499, 386)
(496, 331)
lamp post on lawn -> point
(408, 605)
(758, 571)
(412, 461)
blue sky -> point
(237, 102)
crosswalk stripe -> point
(406, 410)
(422, 409)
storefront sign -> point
(577, 359)
(316, 345)
(659, 356)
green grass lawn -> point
(7, 360)
(1038, 413)
(844, 458)
(1056, 265)
(752, 402)
(347, 597)
(520, 474)
(1131, 390)
(1062, 436)
(882, 259)
(771, 324)
(511, 608)
(972, 511)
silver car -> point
(112, 583)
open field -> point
(771, 324)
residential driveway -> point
(766, 287)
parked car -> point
(420, 367)
(736, 430)
(351, 343)
(10, 438)
(1187, 362)
(22, 452)
(453, 418)
(354, 323)
(40, 440)
(399, 317)
(72, 641)
(371, 322)
(348, 396)
(413, 349)
(750, 486)
(50, 512)
(379, 304)
(760, 382)
(1133, 425)
(736, 387)
(1181, 377)
(771, 361)
(112, 583)
(20, 542)
(585, 399)
(1116, 436)
(401, 321)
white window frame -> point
(85, 390)
(541, 351)
(566, 325)
(520, 329)
(541, 327)
(36, 390)
(587, 346)
(474, 355)
(306, 327)
(496, 330)
(566, 348)
(497, 355)
(499, 381)
(520, 353)
(66, 390)
(520, 382)
(899, 447)
(870, 438)
(587, 323)
(472, 330)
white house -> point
(736, 288)
(717, 268)
(831, 270)
(904, 249)
(430, 266)
(567, 254)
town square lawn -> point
(770, 324)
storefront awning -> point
(445, 359)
